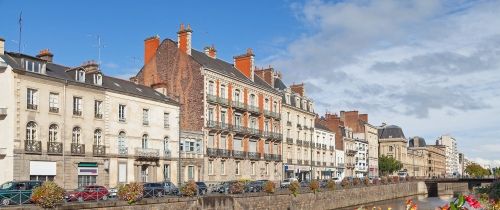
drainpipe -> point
(179, 180)
(64, 133)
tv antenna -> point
(99, 46)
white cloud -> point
(432, 67)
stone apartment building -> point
(418, 156)
(324, 153)
(77, 126)
(393, 143)
(452, 159)
(436, 161)
(230, 117)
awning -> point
(43, 168)
(87, 164)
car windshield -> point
(6, 186)
(80, 189)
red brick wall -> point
(182, 77)
(333, 123)
(299, 89)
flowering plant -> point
(460, 202)
(131, 192)
(331, 185)
(314, 186)
(47, 195)
(294, 188)
(410, 205)
(269, 187)
(189, 189)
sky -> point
(431, 67)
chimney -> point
(245, 63)
(134, 80)
(46, 55)
(2, 46)
(267, 75)
(298, 88)
(151, 44)
(90, 67)
(363, 117)
(184, 39)
(211, 52)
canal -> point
(422, 201)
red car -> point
(88, 193)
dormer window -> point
(80, 76)
(98, 79)
(33, 66)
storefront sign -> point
(45, 168)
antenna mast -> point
(20, 30)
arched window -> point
(390, 148)
(165, 144)
(53, 132)
(236, 95)
(76, 137)
(252, 99)
(211, 88)
(98, 137)
(145, 138)
(122, 148)
(31, 131)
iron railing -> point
(238, 105)
(122, 151)
(254, 156)
(253, 109)
(32, 146)
(223, 153)
(54, 148)
(54, 109)
(239, 154)
(147, 153)
(77, 149)
(289, 140)
(32, 106)
(99, 150)
(212, 152)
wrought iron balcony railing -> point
(288, 123)
(239, 154)
(223, 153)
(99, 150)
(267, 113)
(98, 116)
(277, 158)
(323, 146)
(289, 140)
(254, 155)
(289, 161)
(77, 149)
(268, 157)
(167, 154)
(238, 105)
(212, 152)
(341, 165)
(306, 162)
(32, 106)
(54, 109)
(253, 109)
(299, 162)
(332, 148)
(77, 112)
(213, 124)
(122, 151)
(299, 126)
(212, 98)
(275, 115)
(32, 146)
(147, 153)
(54, 148)
(223, 101)
(299, 142)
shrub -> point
(131, 193)
(395, 179)
(407, 178)
(384, 180)
(236, 187)
(331, 185)
(314, 185)
(189, 189)
(356, 181)
(269, 187)
(47, 195)
(376, 181)
(366, 181)
(345, 183)
(294, 187)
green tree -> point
(475, 170)
(388, 165)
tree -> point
(388, 165)
(475, 170)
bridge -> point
(436, 187)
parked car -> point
(304, 183)
(224, 187)
(153, 190)
(17, 192)
(286, 182)
(88, 193)
(336, 180)
(202, 188)
(113, 192)
(255, 186)
(170, 188)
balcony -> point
(212, 152)
(31, 146)
(223, 102)
(332, 148)
(311, 128)
(288, 123)
(299, 142)
(277, 136)
(253, 109)
(318, 163)
(213, 125)
(318, 145)
(341, 165)
(98, 116)
(332, 164)
(254, 132)
(306, 144)
(305, 127)
(77, 112)
(32, 106)
(99, 150)
(267, 113)
(254, 155)
(277, 158)
(55, 148)
(289, 140)
(313, 146)
(289, 161)
(212, 98)
(275, 115)
(224, 126)
(268, 157)
(306, 162)
(351, 152)
(147, 153)
(299, 162)
(223, 153)
(299, 126)
(239, 154)
(241, 129)
(167, 154)
(122, 151)
(54, 109)
(324, 163)
(266, 134)
(239, 105)
(323, 146)
(77, 149)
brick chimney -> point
(363, 117)
(90, 67)
(245, 63)
(46, 55)
(151, 44)
(184, 39)
(332, 122)
(267, 75)
(211, 52)
(298, 88)
(2, 46)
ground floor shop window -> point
(84, 180)
(43, 178)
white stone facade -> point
(452, 160)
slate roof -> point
(278, 84)
(61, 72)
(417, 141)
(390, 131)
(322, 127)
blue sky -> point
(431, 67)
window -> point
(166, 171)
(211, 88)
(98, 109)
(32, 66)
(390, 148)
(122, 149)
(31, 131)
(98, 137)
(275, 106)
(54, 102)
(97, 79)
(145, 138)
(237, 146)
(53, 133)
(76, 137)
(166, 148)
(210, 167)
(144, 173)
(190, 172)
(223, 167)
(267, 168)
(32, 99)
(253, 123)
(237, 95)
(210, 115)
(223, 143)
(166, 120)
(145, 116)
(252, 100)
(80, 76)
(223, 91)
(77, 106)
(223, 118)
(122, 172)
(252, 165)
(42, 178)
(237, 169)
(266, 104)
(85, 180)
(121, 113)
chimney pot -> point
(184, 39)
(151, 44)
(245, 64)
(46, 55)
(211, 52)
(91, 67)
